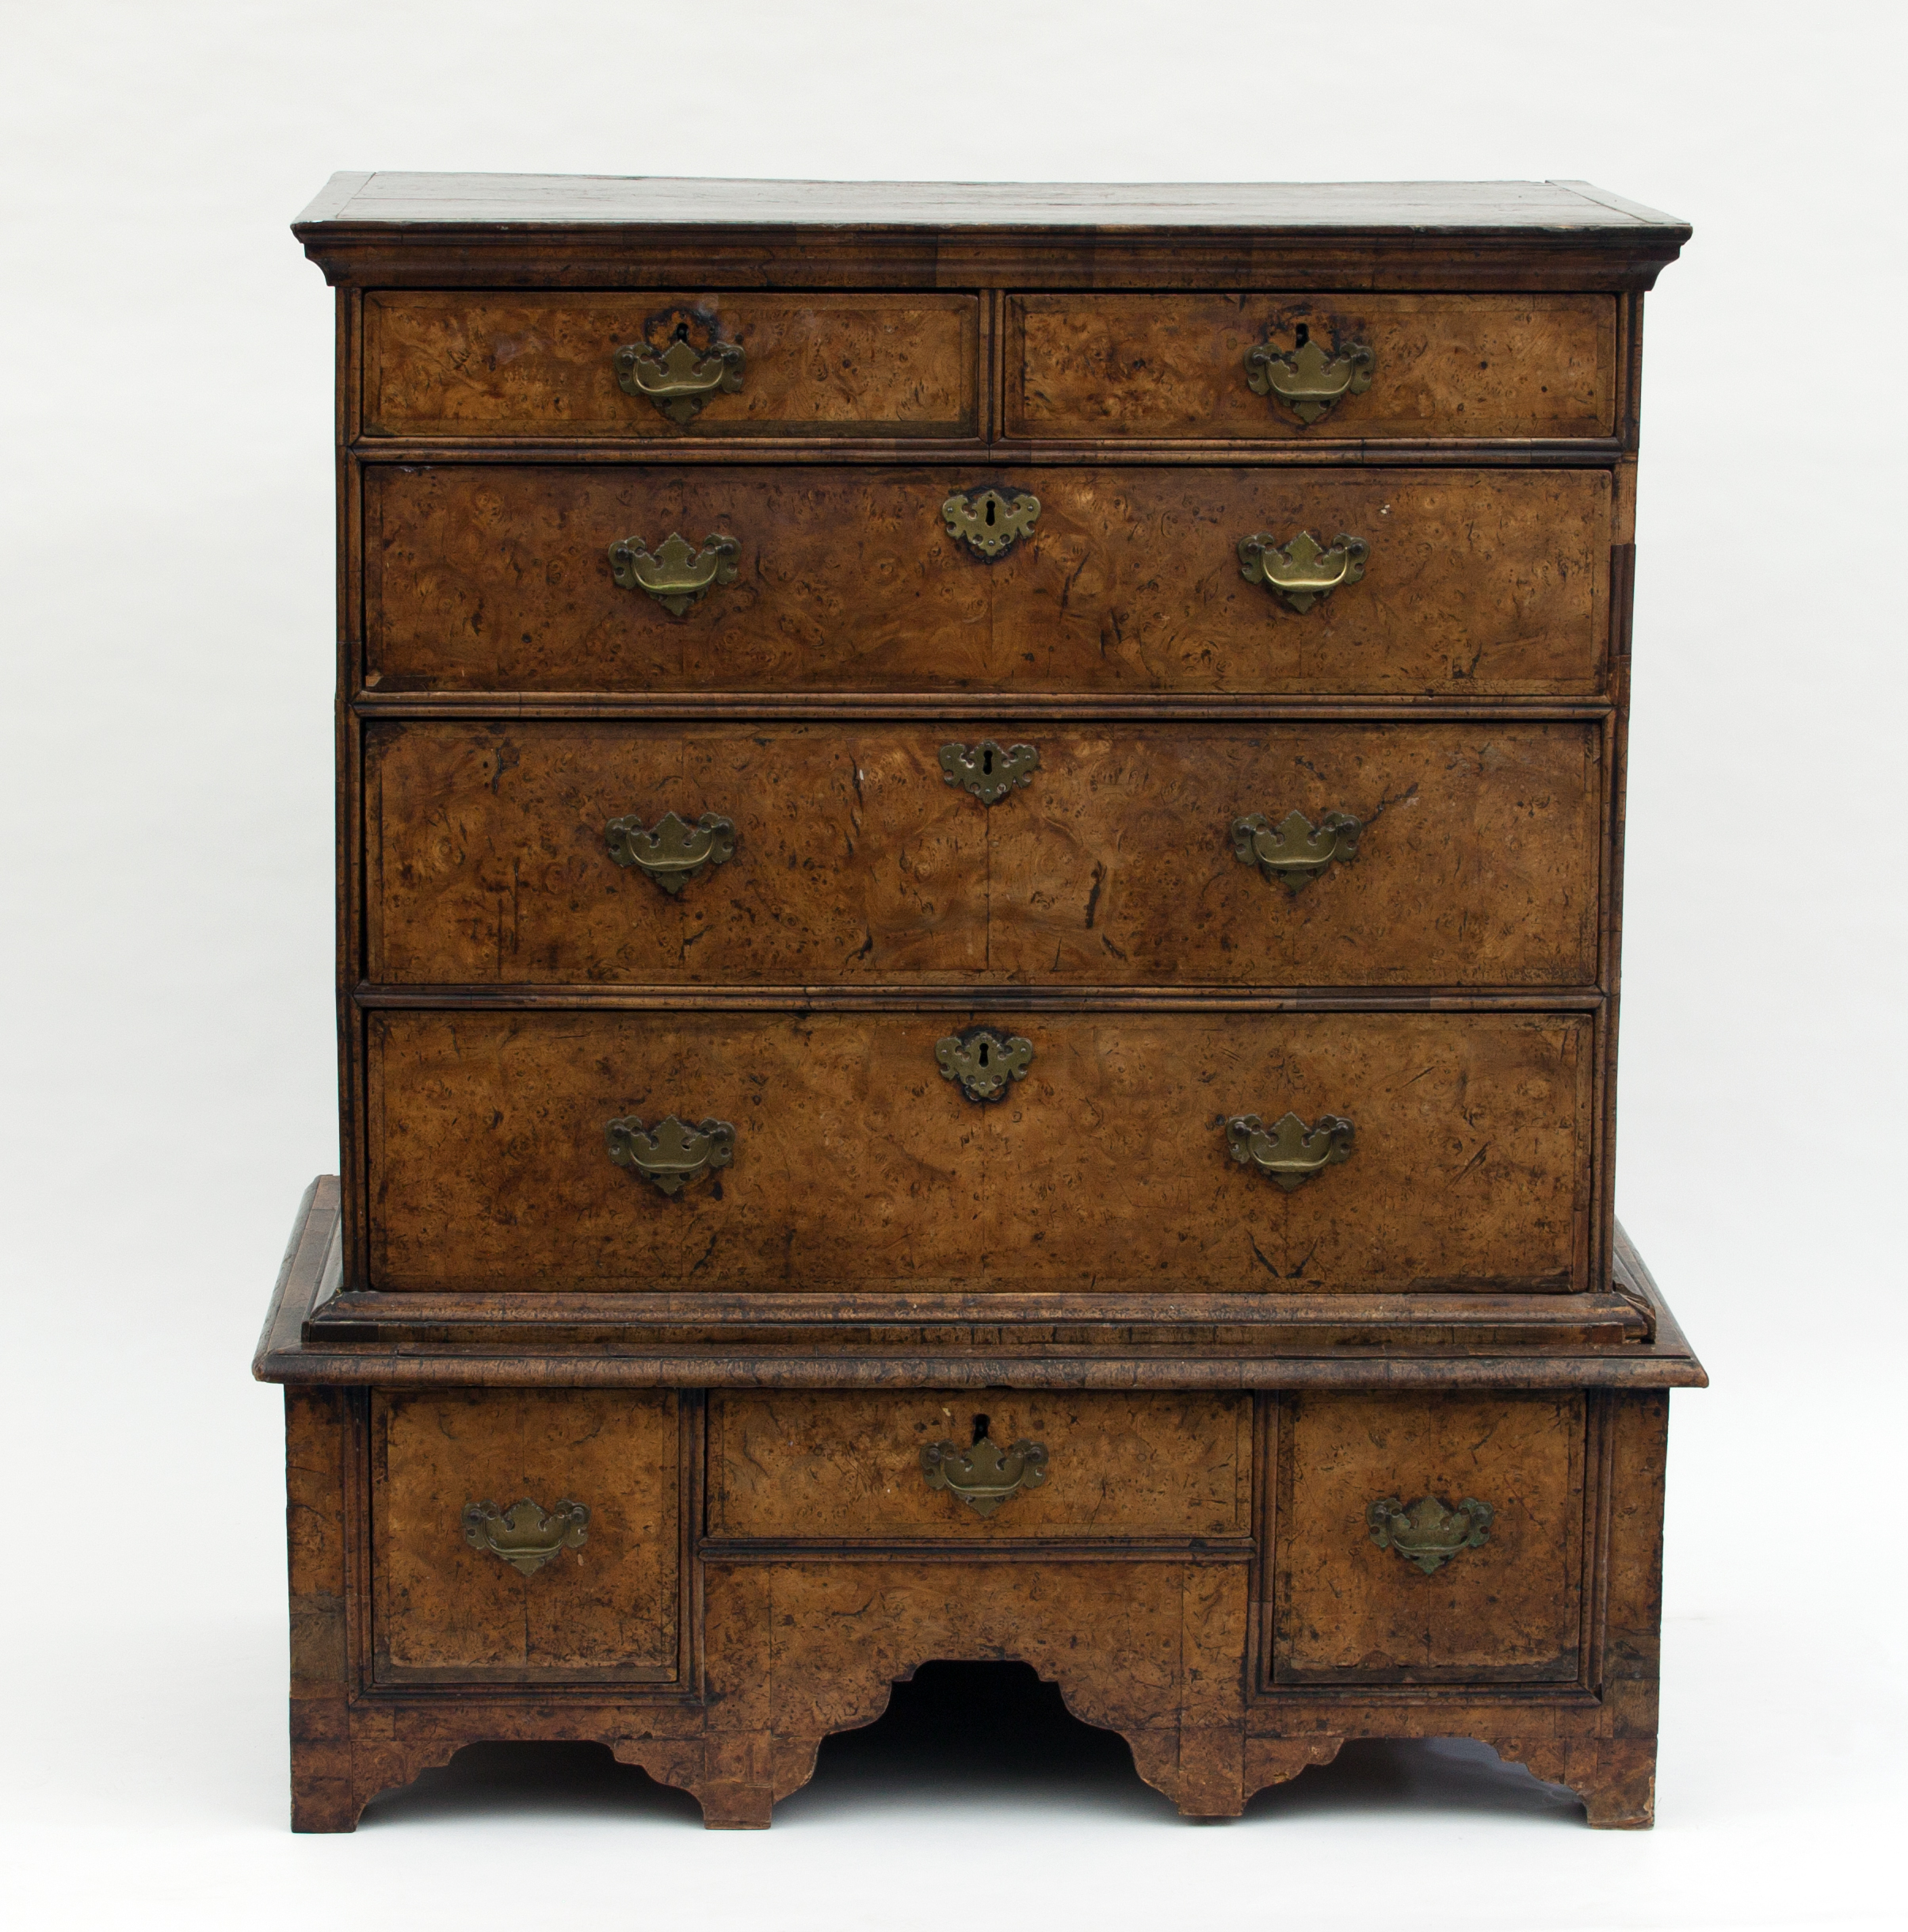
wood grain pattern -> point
(1347, 1612)
(444, 364)
(446, 1611)
(1499, 366)
(791, 1466)
(1480, 582)
(857, 1165)
(855, 863)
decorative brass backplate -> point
(988, 520)
(523, 1535)
(671, 1154)
(682, 378)
(1289, 1151)
(1429, 1534)
(1295, 850)
(987, 771)
(675, 575)
(1310, 379)
(984, 1061)
(675, 851)
(985, 1476)
(1301, 572)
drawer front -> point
(453, 364)
(849, 858)
(857, 1163)
(1441, 366)
(845, 1467)
(482, 1570)
(1475, 582)
(1457, 1595)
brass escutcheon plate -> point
(1289, 1151)
(1430, 1532)
(989, 521)
(1296, 851)
(987, 771)
(984, 1061)
(675, 851)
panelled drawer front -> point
(544, 364)
(1443, 366)
(1507, 1608)
(1478, 582)
(855, 862)
(857, 1164)
(831, 1467)
(602, 1604)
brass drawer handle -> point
(523, 1535)
(670, 1153)
(984, 1061)
(675, 575)
(1308, 380)
(1301, 572)
(987, 771)
(1295, 850)
(988, 520)
(675, 851)
(1429, 1534)
(984, 1476)
(1289, 1151)
(683, 378)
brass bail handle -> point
(1430, 1532)
(1310, 379)
(1294, 851)
(672, 1154)
(682, 378)
(674, 574)
(1303, 570)
(1289, 1153)
(673, 851)
(984, 1476)
(525, 1535)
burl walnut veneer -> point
(980, 834)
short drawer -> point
(1462, 854)
(1000, 1465)
(1471, 582)
(843, 1151)
(526, 1537)
(651, 366)
(1429, 1539)
(1272, 367)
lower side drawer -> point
(1429, 1539)
(526, 1537)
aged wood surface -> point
(792, 1466)
(1446, 366)
(1346, 1611)
(857, 1164)
(441, 365)
(446, 1610)
(855, 862)
(1480, 582)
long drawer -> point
(1428, 854)
(1316, 367)
(1253, 1152)
(641, 367)
(1472, 582)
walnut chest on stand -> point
(980, 838)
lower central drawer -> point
(998, 1465)
(1196, 1152)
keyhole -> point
(682, 333)
(1304, 335)
(984, 1048)
(989, 511)
(986, 760)
(980, 1429)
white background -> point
(168, 1057)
